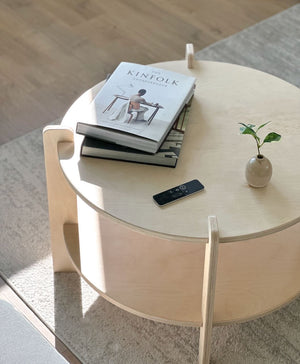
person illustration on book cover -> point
(134, 108)
(135, 105)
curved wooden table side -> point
(149, 260)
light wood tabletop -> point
(213, 152)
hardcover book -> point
(137, 106)
(167, 155)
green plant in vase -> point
(259, 168)
(249, 129)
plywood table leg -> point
(208, 290)
(189, 55)
(62, 203)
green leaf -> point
(247, 125)
(261, 126)
(247, 129)
(272, 137)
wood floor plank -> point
(51, 51)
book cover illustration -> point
(141, 100)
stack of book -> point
(139, 115)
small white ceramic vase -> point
(258, 171)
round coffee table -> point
(151, 260)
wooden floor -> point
(53, 50)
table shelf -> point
(162, 279)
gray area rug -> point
(272, 46)
(95, 330)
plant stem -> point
(258, 146)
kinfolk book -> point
(167, 155)
(137, 106)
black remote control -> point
(177, 192)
